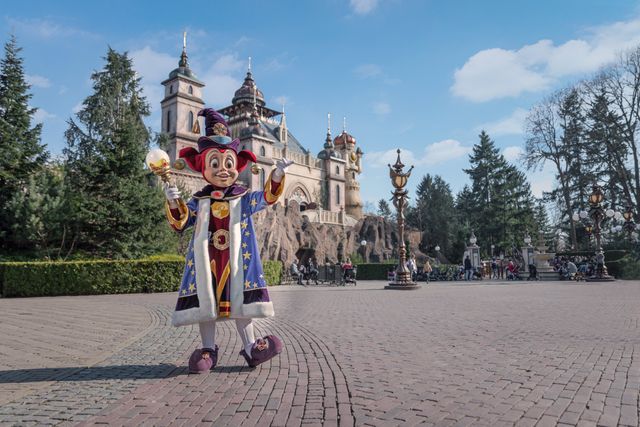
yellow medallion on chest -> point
(220, 210)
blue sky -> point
(420, 75)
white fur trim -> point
(206, 299)
(235, 257)
(258, 309)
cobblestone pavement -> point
(447, 354)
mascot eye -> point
(229, 163)
(214, 163)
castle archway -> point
(300, 195)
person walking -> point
(468, 269)
(427, 269)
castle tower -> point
(180, 106)
(346, 145)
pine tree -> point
(21, 152)
(500, 207)
(114, 211)
(384, 210)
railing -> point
(299, 158)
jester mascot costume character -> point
(223, 277)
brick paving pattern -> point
(448, 354)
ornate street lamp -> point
(598, 215)
(399, 180)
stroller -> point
(349, 275)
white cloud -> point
(37, 81)
(381, 108)
(227, 63)
(363, 7)
(153, 67)
(497, 73)
(76, 108)
(512, 153)
(511, 125)
(368, 70)
(46, 29)
(433, 154)
(542, 181)
(219, 88)
(42, 115)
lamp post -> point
(474, 251)
(399, 180)
(527, 252)
(363, 246)
(598, 214)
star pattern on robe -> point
(247, 284)
(190, 263)
(192, 287)
(244, 245)
(253, 203)
(244, 224)
(247, 255)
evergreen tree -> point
(434, 214)
(114, 211)
(384, 210)
(21, 152)
(499, 204)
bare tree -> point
(621, 83)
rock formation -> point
(285, 233)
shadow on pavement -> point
(93, 373)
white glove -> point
(281, 168)
(171, 192)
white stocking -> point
(208, 334)
(245, 329)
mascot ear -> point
(192, 157)
(245, 157)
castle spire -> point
(183, 57)
(284, 134)
(327, 142)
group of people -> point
(575, 267)
(299, 272)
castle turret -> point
(346, 144)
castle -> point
(325, 186)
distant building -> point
(326, 185)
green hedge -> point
(373, 271)
(156, 274)
(272, 272)
(629, 268)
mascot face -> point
(220, 168)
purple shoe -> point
(263, 349)
(200, 365)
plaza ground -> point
(486, 353)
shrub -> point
(27, 279)
(160, 273)
(373, 271)
(629, 268)
(272, 272)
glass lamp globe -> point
(575, 216)
(610, 213)
(618, 215)
(437, 248)
(157, 160)
(583, 214)
(363, 242)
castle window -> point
(263, 152)
(337, 194)
(190, 90)
(170, 89)
(168, 120)
(337, 170)
(262, 180)
(353, 175)
(190, 121)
